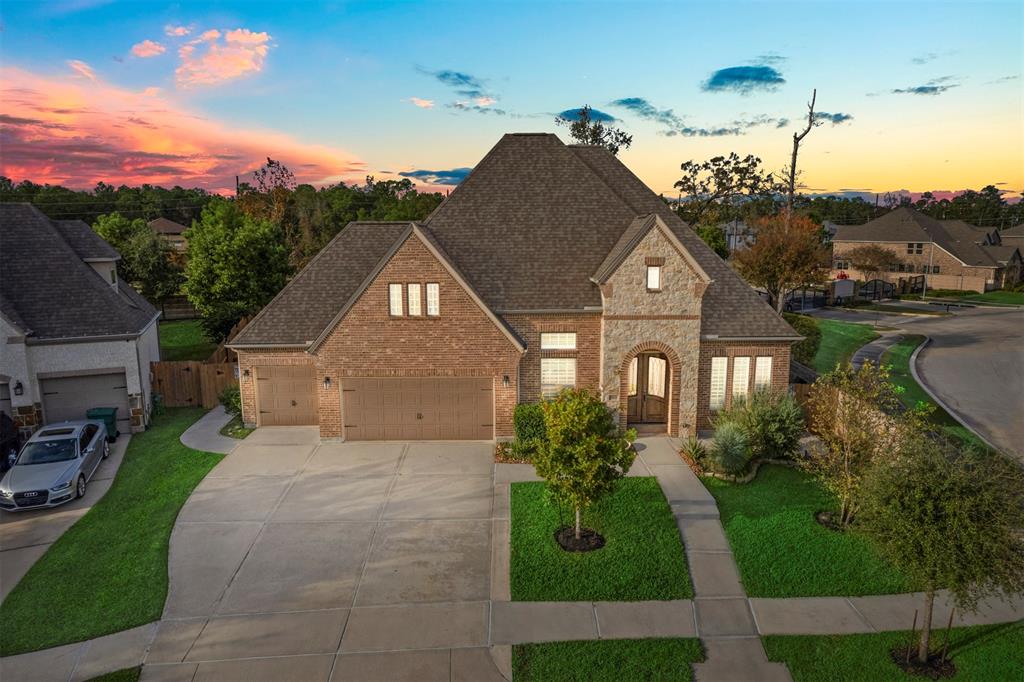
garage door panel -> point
(68, 398)
(418, 409)
(286, 395)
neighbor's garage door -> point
(68, 398)
(5, 400)
(286, 396)
(418, 409)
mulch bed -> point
(935, 669)
(503, 455)
(588, 541)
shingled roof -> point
(50, 292)
(166, 226)
(960, 239)
(527, 229)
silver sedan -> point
(54, 466)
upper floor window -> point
(935, 269)
(433, 299)
(558, 341)
(415, 300)
(842, 265)
(915, 247)
(113, 275)
(653, 278)
(395, 299)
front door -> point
(648, 384)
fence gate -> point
(188, 383)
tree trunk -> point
(577, 523)
(797, 139)
(926, 628)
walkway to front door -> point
(648, 389)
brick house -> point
(951, 254)
(72, 334)
(549, 266)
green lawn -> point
(108, 572)
(984, 653)
(839, 341)
(898, 356)
(608, 660)
(782, 551)
(235, 429)
(642, 560)
(999, 296)
(184, 340)
(123, 675)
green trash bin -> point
(107, 415)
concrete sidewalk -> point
(875, 350)
(205, 433)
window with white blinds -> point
(719, 368)
(740, 377)
(558, 341)
(395, 299)
(433, 299)
(763, 373)
(415, 300)
(556, 374)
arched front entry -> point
(649, 388)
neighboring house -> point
(738, 235)
(73, 336)
(1012, 236)
(550, 266)
(173, 232)
(951, 254)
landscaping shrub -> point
(694, 450)
(805, 350)
(231, 399)
(528, 422)
(729, 453)
(772, 422)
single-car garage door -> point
(68, 398)
(418, 409)
(286, 395)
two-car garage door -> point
(418, 409)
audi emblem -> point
(31, 494)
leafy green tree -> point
(807, 327)
(714, 237)
(236, 264)
(157, 274)
(860, 420)
(585, 130)
(584, 452)
(871, 259)
(711, 189)
(949, 519)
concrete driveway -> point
(300, 560)
(25, 536)
(975, 364)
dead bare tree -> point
(797, 139)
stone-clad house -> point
(549, 266)
(72, 334)
(951, 254)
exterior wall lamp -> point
(504, 381)
(245, 372)
(327, 383)
(20, 389)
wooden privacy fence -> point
(188, 383)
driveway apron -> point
(332, 561)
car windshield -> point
(47, 451)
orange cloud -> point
(148, 48)
(64, 131)
(422, 103)
(176, 31)
(82, 69)
(208, 60)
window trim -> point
(557, 347)
(394, 287)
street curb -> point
(937, 399)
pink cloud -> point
(60, 130)
(485, 101)
(208, 60)
(82, 69)
(148, 48)
(422, 103)
(176, 31)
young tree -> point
(586, 130)
(584, 452)
(950, 520)
(236, 265)
(722, 181)
(871, 259)
(714, 237)
(860, 420)
(787, 253)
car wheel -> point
(106, 449)
(80, 490)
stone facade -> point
(668, 320)
(952, 274)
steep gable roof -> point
(50, 291)
(84, 240)
(166, 226)
(633, 235)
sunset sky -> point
(920, 96)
